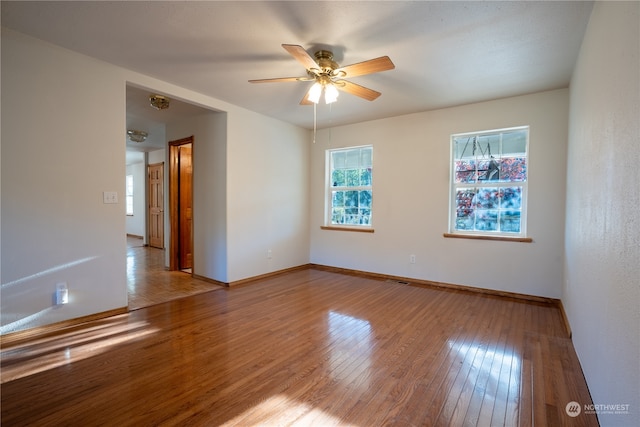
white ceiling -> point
(141, 116)
(445, 53)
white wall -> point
(411, 157)
(602, 274)
(54, 224)
(60, 150)
(136, 224)
(267, 196)
(157, 156)
(209, 191)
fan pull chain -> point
(330, 122)
(314, 122)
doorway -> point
(181, 204)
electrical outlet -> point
(269, 254)
(412, 259)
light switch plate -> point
(109, 197)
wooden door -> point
(185, 206)
(181, 204)
(156, 205)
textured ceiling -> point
(445, 53)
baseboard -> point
(565, 319)
(135, 236)
(430, 283)
(209, 280)
(29, 334)
(267, 275)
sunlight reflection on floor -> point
(499, 369)
(350, 340)
(41, 355)
(281, 410)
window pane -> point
(463, 147)
(365, 216)
(513, 169)
(353, 177)
(514, 142)
(511, 198)
(488, 170)
(337, 216)
(464, 198)
(351, 216)
(365, 199)
(487, 198)
(353, 159)
(487, 219)
(465, 171)
(510, 221)
(365, 176)
(338, 178)
(337, 198)
(129, 194)
(129, 182)
(351, 199)
(366, 159)
(487, 145)
(465, 217)
(339, 159)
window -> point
(489, 182)
(129, 194)
(349, 189)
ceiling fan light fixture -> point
(330, 94)
(315, 92)
(159, 102)
(137, 135)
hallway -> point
(149, 283)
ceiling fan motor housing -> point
(324, 58)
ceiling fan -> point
(328, 76)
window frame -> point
(329, 189)
(478, 184)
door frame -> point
(174, 193)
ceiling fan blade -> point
(357, 90)
(366, 67)
(301, 55)
(280, 79)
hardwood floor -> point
(308, 347)
(150, 283)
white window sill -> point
(337, 228)
(480, 237)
